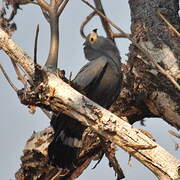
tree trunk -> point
(147, 92)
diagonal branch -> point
(105, 23)
(18, 73)
(43, 4)
(62, 97)
(88, 18)
(8, 79)
(169, 24)
(60, 10)
(106, 18)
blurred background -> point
(17, 124)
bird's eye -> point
(93, 38)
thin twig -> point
(147, 54)
(60, 10)
(105, 23)
(118, 35)
(18, 73)
(35, 45)
(174, 134)
(88, 18)
(163, 71)
(106, 18)
(168, 23)
(59, 2)
(8, 79)
(46, 14)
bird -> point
(100, 80)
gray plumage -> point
(100, 80)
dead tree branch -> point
(62, 97)
(88, 18)
(174, 133)
(105, 23)
(106, 18)
(60, 10)
(168, 23)
(8, 79)
(35, 44)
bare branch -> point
(46, 14)
(108, 125)
(174, 133)
(16, 53)
(143, 49)
(8, 79)
(54, 42)
(168, 23)
(44, 5)
(118, 35)
(61, 8)
(105, 23)
(18, 73)
(52, 12)
(88, 18)
(35, 44)
(59, 2)
(109, 151)
(106, 18)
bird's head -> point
(96, 46)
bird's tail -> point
(64, 149)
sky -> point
(17, 124)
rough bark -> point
(59, 96)
(147, 92)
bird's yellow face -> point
(93, 37)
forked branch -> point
(105, 24)
(61, 8)
(52, 11)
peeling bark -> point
(59, 96)
(147, 92)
